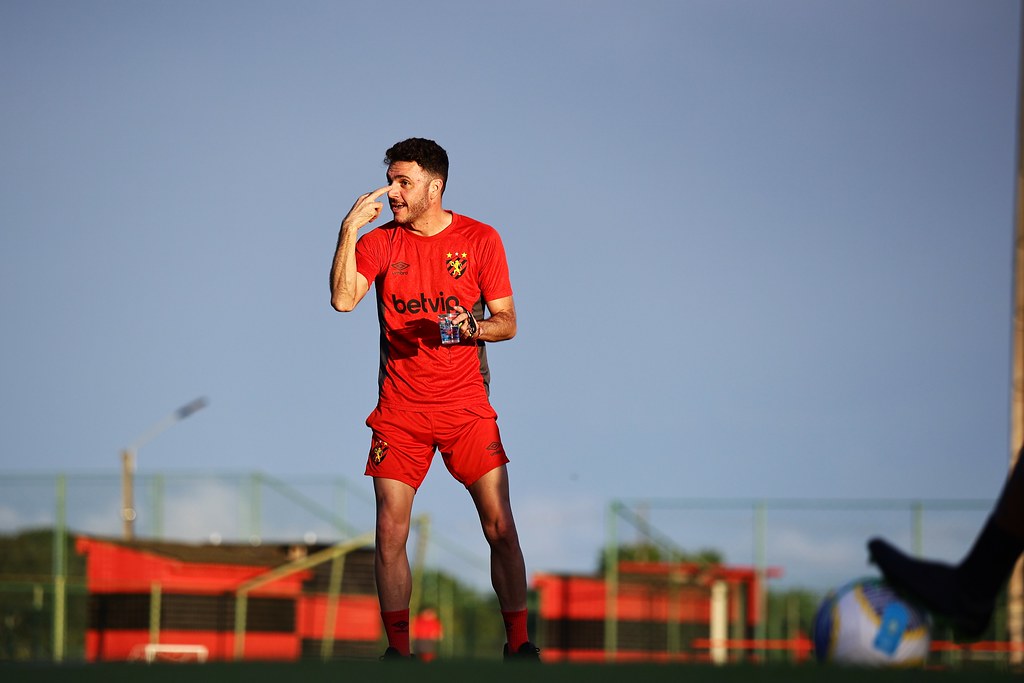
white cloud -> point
(208, 507)
(10, 519)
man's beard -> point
(414, 209)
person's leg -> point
(1009, 509)
(470, 444)
(508, 568)
(391, 562)
(965, 593)
(401, 449)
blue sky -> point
(759, 249)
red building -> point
(153, 597)
(664, 611)
(183, 597)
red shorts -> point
(404, 442)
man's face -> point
(409, 195)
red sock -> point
(396, 626)
(515, 629)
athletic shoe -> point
(937, 586)
(391, 654)
(527, 652)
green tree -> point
(27, 596)
(651, 552)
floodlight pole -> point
(1015, 607)
(128, 513)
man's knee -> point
(500, 530)
(392, 531)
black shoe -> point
(937, 586)
(391, 654)
(527, 652)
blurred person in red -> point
(427, 632)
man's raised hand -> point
(366, 209)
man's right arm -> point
(348, 285)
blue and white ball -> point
(865, 623)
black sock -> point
(985, 569)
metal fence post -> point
(917, 526)
(155, 607)
(611, 573)
(60, 570)
(156, 483)
(760, 554)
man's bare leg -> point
(391, 561)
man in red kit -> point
(433, 396)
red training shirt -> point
(417, 278)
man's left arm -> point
(499, 326)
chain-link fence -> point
(46, 610)
(798, 548)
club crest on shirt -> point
(378, 450)
(456, 263)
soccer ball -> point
(865, 623)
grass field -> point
(484, 672)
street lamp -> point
(128, 462)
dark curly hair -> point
(427, 153)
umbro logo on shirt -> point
(400, 268)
